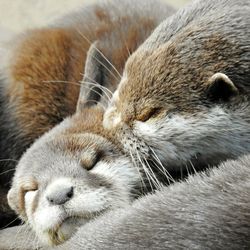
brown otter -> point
(184, 96)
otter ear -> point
(221, 88)
(94, 78)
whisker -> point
(97, 103)
(9, 223)
(188, 173)
(84, 75)
(147, 172)
(8, 160)
(75, 83)
(83, 36)
(7, 171)
(192, 165)
(95, 91)
(62, 81)
(108, 97)
(158, 184)
(138, 169)
(105, 66)
(15, 237)
(162, 169)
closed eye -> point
(152, 113)
(90, 159)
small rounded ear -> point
(221, 88)
(94, 78)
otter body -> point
(207, 211)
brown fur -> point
(88, 120)
(162, 65)
(46, 68)
(44, 56)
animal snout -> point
(111, 118)
(60, 195)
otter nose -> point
(111, 118)
(60, 195)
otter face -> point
(70, 176)
(186, 112)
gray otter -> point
(184, 95)
(71, 175)
(207, 211)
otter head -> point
(71, 175)
(186, 99)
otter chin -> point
(63, 231)
(55, 213)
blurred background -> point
(17, 15)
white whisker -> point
(7, 171)
(101, 86)
(162, 169)
(9, 223)
(8, 160)
(158, 184)
(193, 166)
(138, 169)
(108, 97)
(147, 172)
(78, 84)
(102, 55)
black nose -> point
(60, 196)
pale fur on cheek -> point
(178, 138)
(123, 176)
(44, 217)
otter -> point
(41, 71)
(191, 208)
(71, 175)
(184, 97)
(207, 211)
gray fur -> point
(207, 211)
(222, 16)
